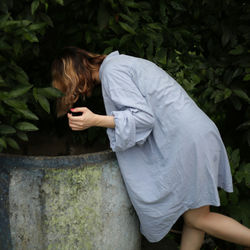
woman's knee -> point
(195, 217)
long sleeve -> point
(134, 119)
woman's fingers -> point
(79, 109)
(84, 121)
(77, 127)
(77, 122)
(74, 125)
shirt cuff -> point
(123, 136)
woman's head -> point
(73, 73)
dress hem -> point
(158, 238)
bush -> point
(21, 26)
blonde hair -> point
(72, 73)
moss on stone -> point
(72, 207)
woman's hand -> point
(89, 119)
(86, 120)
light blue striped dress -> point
(170, 153)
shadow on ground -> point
(164, 244)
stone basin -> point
(64, 203)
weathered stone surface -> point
(75, 202)
(25, 209)
(5, 240)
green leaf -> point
(235, 159)
(244, 125)
(227, 93)
(155, 26)
(150, 49)
(43, 101)
(87, 36)
(18, 72)
(34, 6)
(26, 126)
(195, 78)
(46, 6)
(30, 37)
(240, 211)
(131, 4)
(237, 72)
(61, 2)
(237, 51)
(239, 176)
(28, 114)
(236, 102)
(161, 56)
(225, 36)
(108, 50)
(177, 6)
(46, 19)
(246, 170)
(127, 18)
(37, 26)
(127, 28)
(246, 77)
(243, 174)
(125, 39)
(2, 82)
(17, 46)
(240, 93)
(24, 22)
(16, 104)
(3, 143)
(234, 197)
(23, 136)
(6, 129)
(223, 197)
(35, 93)
(4, 95)
(20, 91)
(218, 96)
(11, 142)
(19, 75)
(21, 79)
(50, 92)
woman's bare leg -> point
(191, 238)
(218, 225)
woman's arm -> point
(89, 119)
(133, 115)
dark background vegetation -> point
(203, 44)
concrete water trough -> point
(64, 203)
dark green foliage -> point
(204, 45)
(21, 26)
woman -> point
(170, 153)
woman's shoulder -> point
(117, 64)
(121, 65)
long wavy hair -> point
(72, 73)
